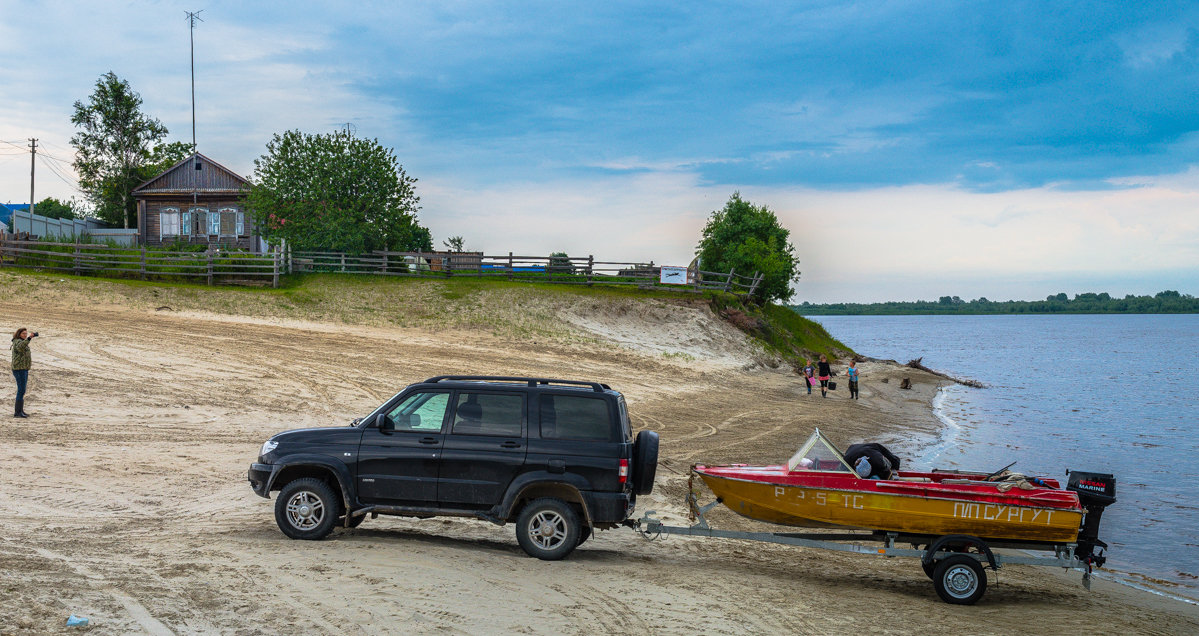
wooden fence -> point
(239, 268)
(565, 270)
(211, 267)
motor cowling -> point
(1096, 491)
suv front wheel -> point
(306, 509)
(548, 529)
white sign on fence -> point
(672, 275)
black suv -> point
(555, 456)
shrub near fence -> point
(211, 267)
(546, 269)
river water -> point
(1105, 393)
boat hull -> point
(910, 509)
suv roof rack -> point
(595, 386)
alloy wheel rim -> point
(547, 529)
(305, 511)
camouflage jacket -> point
(21, 359)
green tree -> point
(335, 192)
(455, 244)
(749, 238)
(52, 208)
(118, 147)
(560, 263)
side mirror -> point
(384, 425)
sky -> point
(1010, 150)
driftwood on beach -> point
(918, 364)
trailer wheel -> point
(929, 568)
(959, 579)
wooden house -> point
(196, 201)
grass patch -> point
(780, 329)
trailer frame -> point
(957, 581)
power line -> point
(74, 185)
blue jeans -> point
(22, 377)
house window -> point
(214, 223)
(185, 223)
(199, 219)
(168, 222)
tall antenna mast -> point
(192, 16)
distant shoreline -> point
(1164, 302)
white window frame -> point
(185, 223)
(214, 223)
(200, 213)
(239, 224)
(163, 214)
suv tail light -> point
(624, 471)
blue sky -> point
(615, 128)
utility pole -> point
(32, 167)
(192, 16)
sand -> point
(125, 498)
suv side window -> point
(422, 412)
(499, 414)
(575, 417)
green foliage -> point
(560, 263)
(335, 192)
(779, 329)
(52, 208)
(748, 238)
(118, 147)
(455, 244)
(1164, 302)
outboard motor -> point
(1096, 491)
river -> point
(1102, 393)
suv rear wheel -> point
(548, 529)
(306, 509)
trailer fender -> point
(957, 540)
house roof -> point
(185, 178)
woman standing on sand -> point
(825, 373)
(22, 360)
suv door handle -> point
(510, 444)
(428, 440)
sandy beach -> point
(125, 496)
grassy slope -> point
(503, 308)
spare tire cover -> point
(645, 462)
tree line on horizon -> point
(1163, 302)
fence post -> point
(509, 265)
(448, 264)
(275, 269)
(728, 283)
(76, 259)
(384, 270)
(143, 265)
(343, 262)
(209, 266)
(754, 286)
(590, 265)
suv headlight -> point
(267, 447)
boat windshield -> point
(818, 454)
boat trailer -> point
(955, 563)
